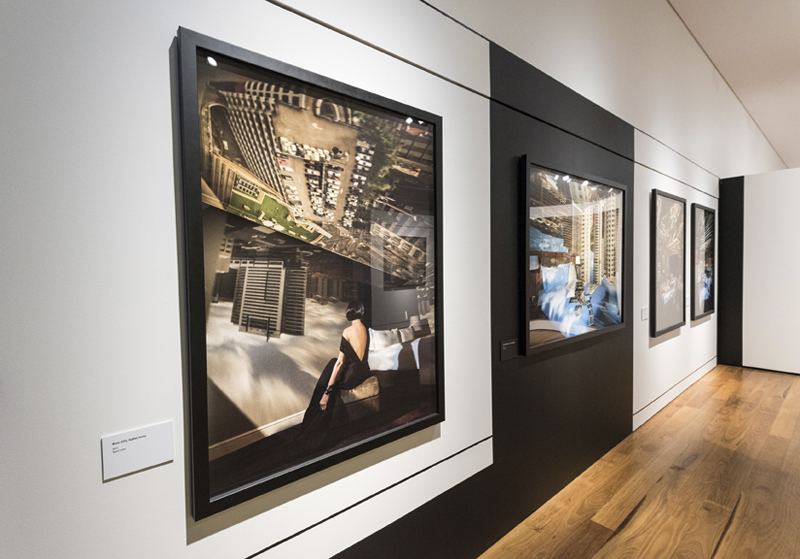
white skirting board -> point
(641, 416)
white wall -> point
(637, 60)
(90, 339)
(771, 268)
(664, 367)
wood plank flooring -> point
(715, 474)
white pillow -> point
(415, 348)
(406, 334)
(417, 324)
(380, 339)
(386, 358)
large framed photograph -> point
(667, 263)
(572, 258)
(312, 244)
(703, 278)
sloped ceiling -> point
(755, 45)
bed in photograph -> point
(400, 390)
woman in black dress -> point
(346, 372)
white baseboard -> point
(641, 416)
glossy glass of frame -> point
(311, 216)
(572, 257)
(667, 263)
(703, 257)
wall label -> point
(508, 350)
(136, 450)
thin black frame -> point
(193, 283)
(525, 164)
(694, 314)
(653, 260)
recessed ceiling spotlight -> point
(409, 120)
(211, 61)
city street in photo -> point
(574, 256)
(702, 261)
(668, 298)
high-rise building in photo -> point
(270, 292)
(609, 240)
(417, 147)
(249, 112)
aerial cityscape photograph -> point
(312, 201)
(669, 273)
(574, 256)
(703, 260)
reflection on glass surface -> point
(575, 253)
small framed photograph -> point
(703, 260)
(572, 257)
(311, 233)
(667, 263)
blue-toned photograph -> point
(702, 261)
(575, 255)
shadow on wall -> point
(197, 531)
(653, 342)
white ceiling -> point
(755, 44)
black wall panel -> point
(729, 270)
(555, 412)
(558, 411)
(555, 104)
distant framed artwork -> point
(667, 263)
(572, 257)
(703, 259)
(312, 270)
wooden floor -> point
(714, 474)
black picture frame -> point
(667, 259)
(531, 305)
(703, 252)
(219, 169)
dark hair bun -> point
(355, 310)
